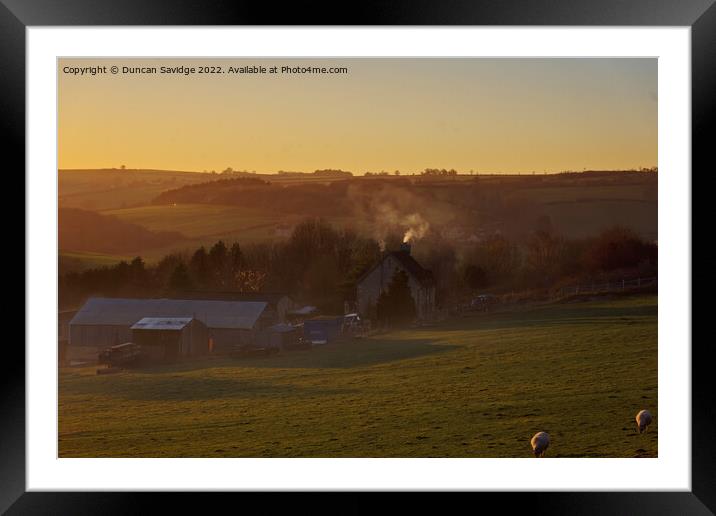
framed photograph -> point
(438, 249)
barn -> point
(168, 338)
(279, 304)
(378, 278)
(104, 322)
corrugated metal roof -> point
(272, 298)
(126, 312)
(304, 310)
(282, 328)
(161, 323)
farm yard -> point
(478, 386)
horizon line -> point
(381, 173)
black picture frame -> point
(700, 15)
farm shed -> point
(167, 338)
(63, 323)
(323, 329)
(104, 322)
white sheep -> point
(643, 420)
(540, 443)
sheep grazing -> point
(643, 420)
(540, 443)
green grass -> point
(475, 387)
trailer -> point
(121, 355)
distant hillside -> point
(104, 189)
(253, 208)
(82, 230)
(113, 188)
(576, 204)
(309, 199)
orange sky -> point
(486, 115)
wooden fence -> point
(613, 286)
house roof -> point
(126, 312)
(161, 323)
(306, 310)
(283, 328)
(409, 264)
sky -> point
(385, 114)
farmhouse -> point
(378, 278)
(104, 322)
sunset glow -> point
(486, 115)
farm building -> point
(167, 338)
(378, 278)
(104, 322)
(279, 303)
(63, 335)
(298, 315)
(63, 323)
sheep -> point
(540, 443)
(643, 420)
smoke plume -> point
(391, 210)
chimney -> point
(405, 247)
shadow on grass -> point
(354, 353)
(559, 315)
(141, 387)
(340, 355)
(166, 383)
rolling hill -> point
(82, 230)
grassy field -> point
(107, 189)
(473, 387)
(197, 220)
(74, 261)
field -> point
(472, 387)
(75, 261)
(112, 188)
(196, 220)
(204, 224)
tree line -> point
(321, 265)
